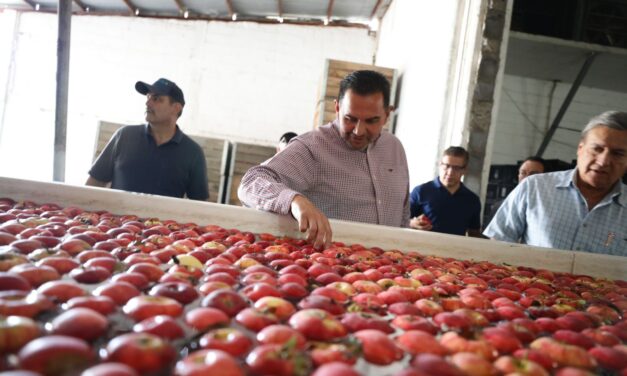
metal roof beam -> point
(181, 5)
(279, 4)
(229, 6)
(81, 5)
(134, 10)
(330, 10)
(31, 4)
(375, 8)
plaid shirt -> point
(547, 210)
(369, 186)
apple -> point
(511, 365)
(80, 322)
(22, 303)
(90, 275)
(120, 292)
(208, 362)
(101, 304)
(226, 300)
(13, 281)
(26, 246)
(277, 360)
(281, 334)
(9, 259)
(563, 354)
(414, 322)
(473, 364)
(203, 318)
(431, 364)
(230, 340)
(36, 275)
(277, 306)
(258, 290)
(61, 291)
(609, 358)
(144, 352)
(417, 341)
(574, 338)
(317, 324)
(335, 369)
(456, 343)
(181, 292)
(110, 369)
(61, 264)
(347, 351)
(15, 332)
(55, 355)
(163, 326)
(255, 320)
(356, 321)
(321, 302)
(142, 307)
(136, 279)
(502, 339)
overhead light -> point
(280, 19)
(87, 9)
(137, 11)
(186, 14)
(234, 17)
(326, 21)
(37, 7)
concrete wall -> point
(242, 81)
(527, 110)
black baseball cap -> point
(162, 86)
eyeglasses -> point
(446, 166)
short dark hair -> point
(535, 159)
(457, 151)
(612, 119)
(287, 136)
(365, 82)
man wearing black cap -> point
(157, 157)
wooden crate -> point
(334, 72)
(216, 152)
(243, 156)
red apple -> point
(277, 360)
(417, 341)
(226, 300)
(55, 355)
(15, 332)
(181, 292)
(317, 324)
(101, 304)
(120, 292)
(208, 362)
(163, 326)
(203, 318)
(281, 334)
(230, 340)
(79, 322)
(60, 290)
(143, 352)
(110, 369)
(142, 307)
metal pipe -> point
(569, 98)
(63, 78)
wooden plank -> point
(213, 149)
(243, 157)
(335, 71)
(245, 219)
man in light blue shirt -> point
(584, 209)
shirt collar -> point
(178, 134)
(618, 192)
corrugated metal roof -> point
(334, 12)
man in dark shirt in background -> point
(445, 204)
(157, 157)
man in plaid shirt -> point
(349, 169)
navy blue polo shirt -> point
(449, 213)
(132, 161)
